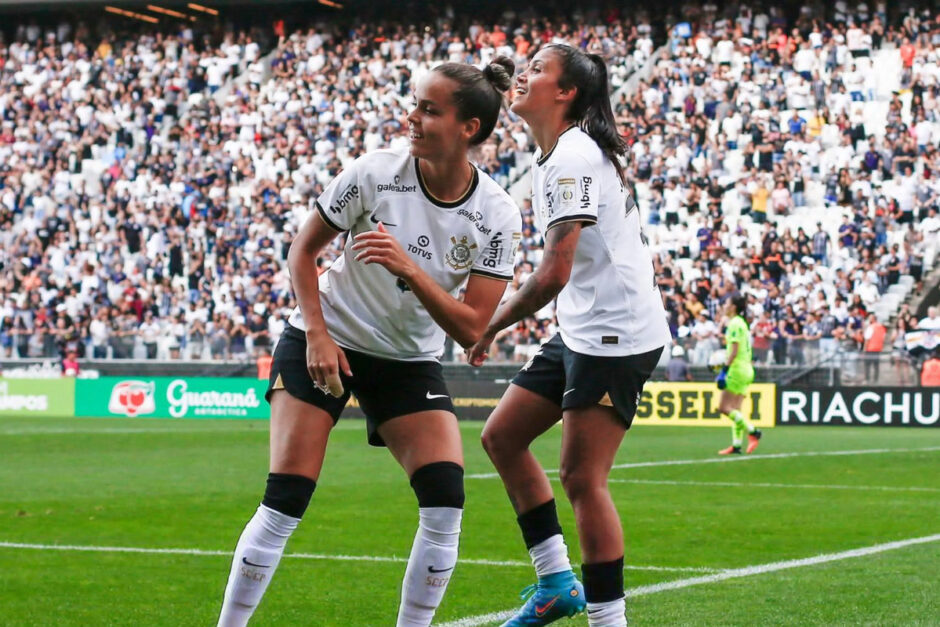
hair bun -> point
(499, 72)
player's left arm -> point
(464, 320)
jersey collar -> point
(544, 158)
(444, 203)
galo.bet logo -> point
(132, 398)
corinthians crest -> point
(460, 255)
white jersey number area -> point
(611, 305)
(368, 309)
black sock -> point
(539, 523)
(603, 581)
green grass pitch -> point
(160, 484)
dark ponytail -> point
(480, 93)
(739, 301)
(591, 108)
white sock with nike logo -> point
(430, 566)
(257, 554)
(607, 614)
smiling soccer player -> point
(422, 224)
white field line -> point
(351, 424)
(119, 430)
(735, 573)
(809, 486)
(307, 556)
(742, 458)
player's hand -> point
(722, 378)
(381, 247)
(325, 360)
(478, 353)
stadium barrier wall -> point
(171, 397)
(859, 407)
(661, 403)
(37, 397)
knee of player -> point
(439, 484)
(578, 482)
(288, 494)
(497, 444)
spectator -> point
(150, 332)
(874, 339)
(930, 373)
(677, 369)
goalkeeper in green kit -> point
(736, 375)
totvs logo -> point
(132, 398)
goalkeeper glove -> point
(722, 378)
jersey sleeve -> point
(572, 192)
(341, 203)
(497, 260)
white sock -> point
(257, 554)
(550, 556)
(430, 566)
(607, 614)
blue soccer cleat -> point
(559, 595)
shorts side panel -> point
(289, 372)
(544, 374)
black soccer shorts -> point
(385, 388)
(574, 380)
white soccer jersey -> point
(368, 309)
(611, 305)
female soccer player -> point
(612, 332)
(421, 226)
(736, 374)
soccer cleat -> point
(753, 439)
(731, 450)
(555, 596)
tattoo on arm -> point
(547, 280)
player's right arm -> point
(324, 357)
(337, 209)
(574, 189)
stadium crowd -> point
(143, 215)
(148, 196)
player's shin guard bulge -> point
(439, 488)
(261, 545)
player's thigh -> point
(531, 404)
(729, 401)
(299, 433)
(590, 439)
(423, 438)
(599, 406)
(521, 416)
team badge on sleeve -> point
(460, 255)
(514, 246)
(566, 193)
